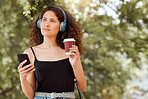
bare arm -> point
(27, 78)
(75, 61)
(26, 87)
(81, 81)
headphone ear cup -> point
(63, 27)
(38, 23)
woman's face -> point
(50, 24)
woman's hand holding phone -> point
(24, 71)
(24, 67)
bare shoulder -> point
(37, 47)
(29, 51)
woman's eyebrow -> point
(52, 18)
(44, 17)
(49, 18)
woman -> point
(51, 73)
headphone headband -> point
(62, 12)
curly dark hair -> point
(72, 31)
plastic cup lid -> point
(69, 39)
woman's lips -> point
(46, 29)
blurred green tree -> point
(15, 23)
(112, 44)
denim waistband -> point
(45, 95)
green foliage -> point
(112, 50)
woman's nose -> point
(48, 24)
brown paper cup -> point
(68, 42)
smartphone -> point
(22, 57)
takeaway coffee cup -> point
(68, 42)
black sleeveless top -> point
(54, 76)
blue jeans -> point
(40, 97)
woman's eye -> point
(44, 19)
(52, 20)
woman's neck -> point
(49, 42)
